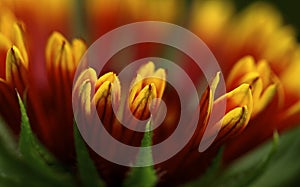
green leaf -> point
(210, 174)
(247, 171)
(28, 144)
(17, 172)
(35, 159)
(143, 176)
(30, 147)
(88, 173)
(285, 167)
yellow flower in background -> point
(258, 54)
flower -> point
(258, 54)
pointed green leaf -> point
(29, 146)
(285, 166)
(41, 165)
(244, 174)
(17, 172)
(87, 170)
(143, 176)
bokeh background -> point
(290, 10)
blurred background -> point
(288, 8)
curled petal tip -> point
(106, 86)
(146, 69)
(234, 122)
(148, 81)
(16, 69)
(141, 104)
(263, 82)
(19, 42)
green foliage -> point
(29, 146)
(284, 169)
(210, 174)
(143, 176)
(87, 170)
(27, 167)
(245, 174)
(274, 164)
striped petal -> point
(264, 83)
(16, 70)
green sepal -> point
(39, 159)
(87, 171)
(247, 171)
(29, 147)
(143, 176)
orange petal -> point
(264, 84)
(206, 104)
(239, 106)
(16, 71)
(107, 85)
(82, 89)
(146, 75)
(233, 123)
(141, 104)
(78, 49)
(18, 41)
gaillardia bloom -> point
(259, 58)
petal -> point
(141, 104)
(147, 69)
(240, 68)
(206, 105)
(85, 97)
(147, 75)
(239, 97)
(233, 123)
(16, 71)
(78, 49)
(136, 87)
(239, 106)
(59, 53)
(5, 44)
(7, 40)
(85, 80)
(107, 88)
(87, 74)
(264, 83)
(110, 77)
(159, 80)
(102, 98)
(18, 41)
